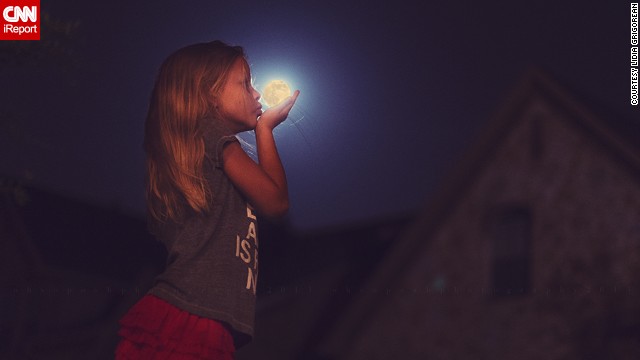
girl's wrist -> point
(263, 127)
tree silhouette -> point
(59, 47)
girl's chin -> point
(251, 126)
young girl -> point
(203, 195)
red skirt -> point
(155, 329)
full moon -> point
(275, 92)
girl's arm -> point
(264, 184)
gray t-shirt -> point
(212, 265)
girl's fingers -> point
(291, 100)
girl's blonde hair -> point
(182, 98)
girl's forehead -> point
(241, 67)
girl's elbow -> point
(281, 209)
(276, 209)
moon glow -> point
(275, 92)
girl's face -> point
(237, 102)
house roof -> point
(535, 85)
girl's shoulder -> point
(216, 136)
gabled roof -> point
(535, 85)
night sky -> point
(392, 92)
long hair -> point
(181, 98)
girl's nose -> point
(256, 94)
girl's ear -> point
(215, 104)
(213, 99)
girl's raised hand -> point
(263, 184)
(273, 116)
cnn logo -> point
(14, 14)
(20, 20)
